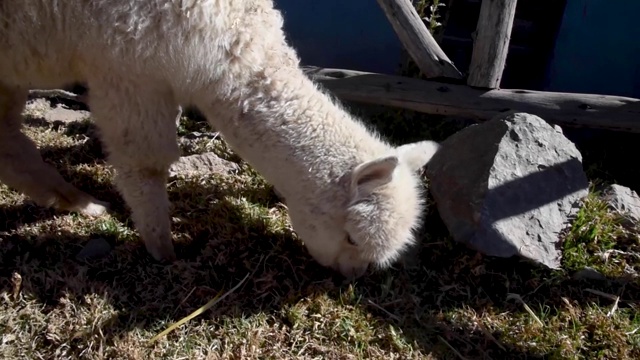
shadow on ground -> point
(419, 296)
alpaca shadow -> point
(281, 273)
(220, 244)
(37, 122)
(448, 314)
(547, 186)
(88, 152)
(606, 156)
(451, 277)
(425, 297)
(218, 253)
(223, 245)
(16, 216)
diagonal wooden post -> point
(491, 43)
(417, 39)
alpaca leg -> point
(138, 129)
(22, 167)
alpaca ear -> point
(371, 174)
(418, 154)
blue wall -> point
(598, 48)
(351, 34)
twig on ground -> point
(395, 317)
(526, 307)
(632, 332)
(614, 307)
(184, 300)
(452, 348)
(603, 294)
(488, 334)
(204, 308)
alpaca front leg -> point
(143, 187)
(22, 167)
(139, 133)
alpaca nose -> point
(351, 271)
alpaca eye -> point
(350, 241)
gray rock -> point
(589, 273)
(623, 200)
(61, 113)
(42, 108)
(509, 186)
(202, 164)
(94, 249)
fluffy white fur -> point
(353, 199)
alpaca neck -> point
(295, 136)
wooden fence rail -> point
(432, 97)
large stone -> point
(509, 186)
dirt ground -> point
(442, 301)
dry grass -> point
(441, 302)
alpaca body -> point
(353, 199)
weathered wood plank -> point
(567, 109)
(491, 44)
(417, 39)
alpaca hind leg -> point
(138, 130)
(22, 167)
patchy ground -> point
(441, 302)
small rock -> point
(42, 108)
(94, 249)
(623, 200)
(589, 273)
(61, 113)
(508, 187)
(202, 164)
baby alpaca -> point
(353, 199)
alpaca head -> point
(372, 217)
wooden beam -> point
(567, 109)
(417, 39)
(491, 43)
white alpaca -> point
(353, 199)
